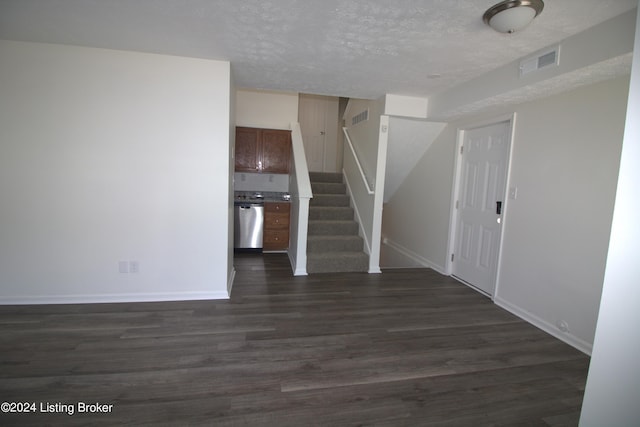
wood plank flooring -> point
(403, 348)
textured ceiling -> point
(356, 48)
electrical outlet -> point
(563, 325)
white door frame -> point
(455, 193)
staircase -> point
(333, 244)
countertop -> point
(261, 196)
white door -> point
(484, 160)
(312, 118)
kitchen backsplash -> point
(260, 182)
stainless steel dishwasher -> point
(248, 225)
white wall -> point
(611, 396)
(112, 156)
(565, 164)
(364, 137)
(409, 139)
(266, 109)
(416, 218)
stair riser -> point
(338, 265)
(328, 188)
(330, 200)
(329, 228)
(338, 245)
(330, 213)
(325, 177)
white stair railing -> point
(300, 190)
(368, 185)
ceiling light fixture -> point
(510, 16)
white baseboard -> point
(298, 270)
(112, 298)
(549, 328)
(413, 255)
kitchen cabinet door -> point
(276, 151)
(263, 150)
(276, 226)
(247, 149)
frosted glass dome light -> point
(512, 15)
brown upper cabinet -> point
(263, 150)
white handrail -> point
(300, 162)
(355, 156)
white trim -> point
(506, 204)
(378, 197)
(367, 246)
(298, 270)
(113, 298)
(232, 277)
(455, 191)
(357, 160)
(536, 321)
(414, 256)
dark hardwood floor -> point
(404, 348)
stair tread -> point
(334, 236)
(338, 254)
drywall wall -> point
(408, 141)
(405, 106)
(565, 160)
(112, 161)
(415, 220)
(266, 109)
(564, 165)
(611, 395)
(364, 135)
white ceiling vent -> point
(361, 117)
(543, 59)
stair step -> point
(329, 200)
(316, 244)
(325, 177)
(330, 212)
(332, 227)
(333, 244)
(328, 188)
(337, 262)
